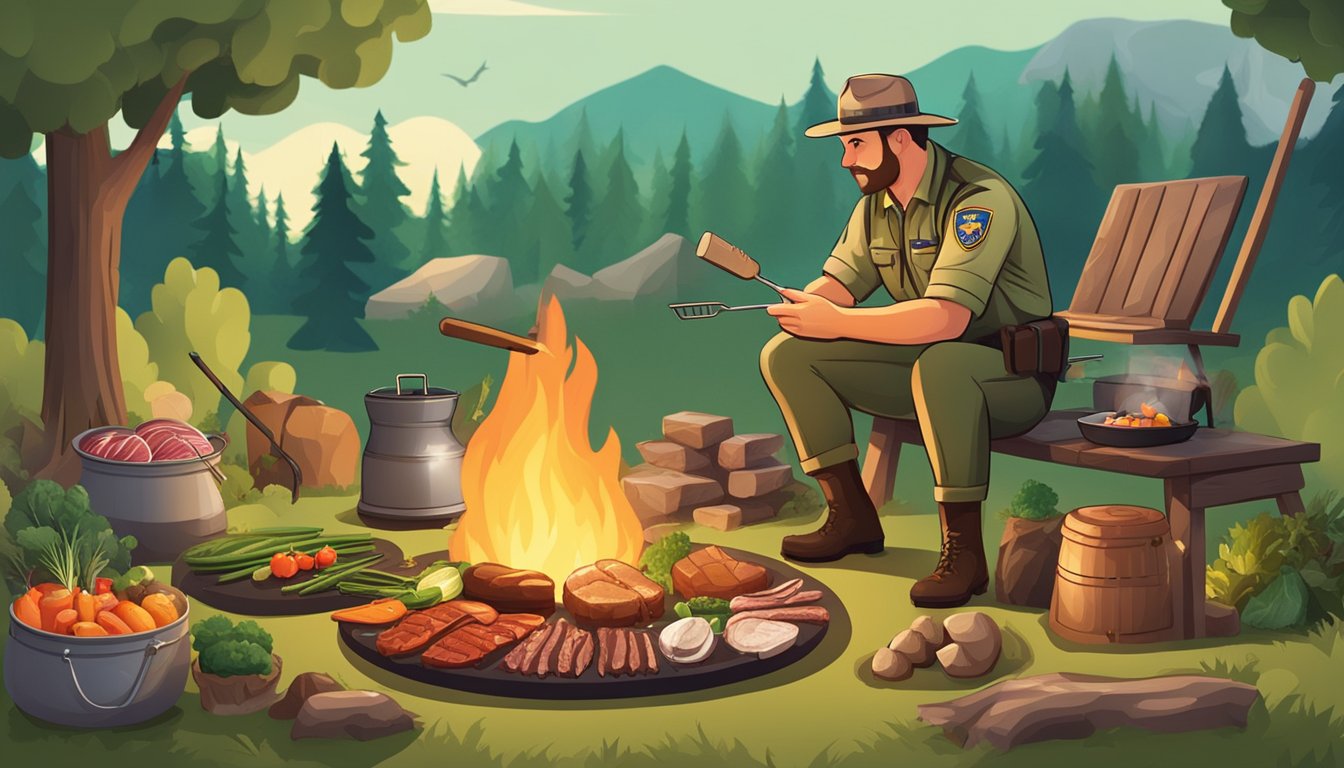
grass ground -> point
(827, 710)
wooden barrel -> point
(1112, 584)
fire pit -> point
(723, 667)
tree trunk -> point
(82, 379)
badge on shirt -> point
(972, 225)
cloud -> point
(500, 8)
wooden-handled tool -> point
(730, 258)
(484, 334)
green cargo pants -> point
(959, 392)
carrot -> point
(47, 587)
(1148, 410)
(137, 618)
(64, 621)
(105, 602)
(88, 629)
(160, 608)
(382, 611)
(114, 626)
(53, 603)
(25, 607)
(86, 606)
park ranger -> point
(952, 243)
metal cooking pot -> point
(97, 682)
(412, 467)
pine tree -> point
(23, 290)
(216, 247)
(1327, 151)
(463, 221)
(435, 244)
(1065, 205)
(219, 153)
(262, 216)
(284, 279)
(972, 134)
(660, 192)
(579, 201)
(827, 191)
(142, 233)
(774, 218)
(382, 208)
(1220, 146)
(1115, 145)
(255, 261)
(582, 140)
(724, 203)
(547, 236)
(677, 215)
(1153, 148)
(511, 198)
(335, 241)
(618, 217)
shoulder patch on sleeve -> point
(972, 224)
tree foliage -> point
(1306, 31)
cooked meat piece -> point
(807, 614)
(547, 658)
(603, 650)
(520, 624)
(466, 645)
(779, 591)
(564, 661)
(710, 572)
(620, 656)
(510, 589)
(610, 593)
(583, 658)
(634, 658)
(760, 636)
(514, 661)
(649, 653)
(532, 657)
(421, 628)
(750, 603)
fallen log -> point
(1074, 706)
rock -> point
(744, 451)
(236, 694)
(728, 517)
(751, 483)
(932, 631)
(304, 687)
(651, 272)
(1028, 555)
(659, 492)
(666, 454)
(322, 440)
(697, 430)
(914, 647)
(464, 285)
(890, 665)
(1221, 620)
(361, 715)
(657, 531)
(974, 644)
(1072, 706)
(568, 284)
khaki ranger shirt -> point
(966, 237)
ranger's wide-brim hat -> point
(874, 101)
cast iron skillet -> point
(1133, 437)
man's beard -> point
(881, 177)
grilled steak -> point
(610, 593)
(534, 654)
(779, 591)
(564, 660)
(710, 572)
(620, 654)
(510, 589)
(807, 614)
(649, 653)
(583, 656)
(603, 650)
(550, 651)
(514, 661)
(420, 628)
(469, 644)
(751, 603)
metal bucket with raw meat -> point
(166, 505)
(97, 682)
(412, 467)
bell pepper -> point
(102, 586)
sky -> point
(546, 54)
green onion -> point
(331, 576)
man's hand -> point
(810, 316)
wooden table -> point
(1211, 469)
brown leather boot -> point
(961, 571)
(851, 519)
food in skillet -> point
(1148, 416)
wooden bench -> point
(1149, 269)
(1214, 468)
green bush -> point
(137, 371)
(1299, 380)
(21, 364)
(1034, 501)
(227, 649)
(271, 376)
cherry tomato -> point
(283, 565)
(325, 557)
(305, 562)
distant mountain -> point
(1176, 65)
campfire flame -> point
(537, 495)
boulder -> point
(660, 492)
(890, 665)
(697, 430)
(1071, 706)
(1221, 620)
(304, 687)
(913, 646)
(751, 483)
(974, 644)
(666, 454)
(361, 715)
(462, 284)
(322, 440)
(1028, 555)
(653, 271)
(567, 284)
(729, 517)
(745, 451)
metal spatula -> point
(700, 310)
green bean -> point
(268, 547)
(331, 576)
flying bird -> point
(469, 80)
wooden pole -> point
(1264, 208)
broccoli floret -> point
(251, 631)
(236, 657)
(705, 605)
(210, 632)
(658, 559)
